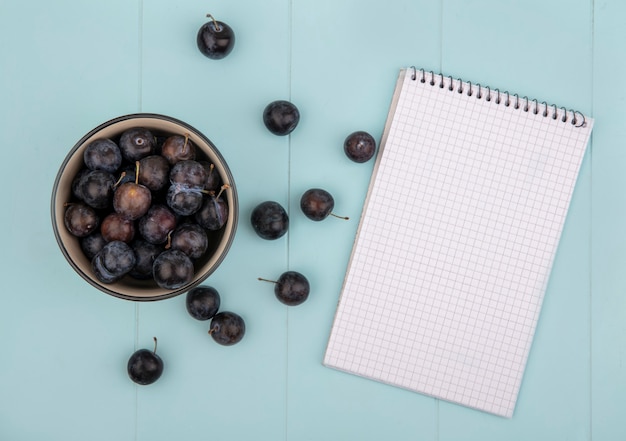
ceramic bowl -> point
(130, 288)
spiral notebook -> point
(464, 212)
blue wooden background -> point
(69, 65)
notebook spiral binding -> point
(433, 79)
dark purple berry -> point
(154, 172)
(359, 146)
(318, 204)
(80, 219)
(92, 244)
(281, 117)
(137, 143)
(202, 302)
(145, 367)
(190, 173)
(102, 154)
(178, 148)
(76, 188)
(113, 261)
(116, 227)
(96, 188)
(213, 181)
(227, 328)
(191, 239)
(269, 220)
(215, 39)
(184, 200)
(146, 253)
(291, 288)
(173, 269)
(156, 224)
(213, 214)
(132, 200)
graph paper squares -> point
(457, 238)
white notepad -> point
(456, 241)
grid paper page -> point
(456, 243)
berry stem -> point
(224, 187)
(218, 28)
(184, 150)
(155, 344)
(340, 217)
(136, 172)
(266, 280)
(120, 179)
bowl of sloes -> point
(144, 207)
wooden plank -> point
(345, 60)
(608, 331)
(209, 388)
(65, 344)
